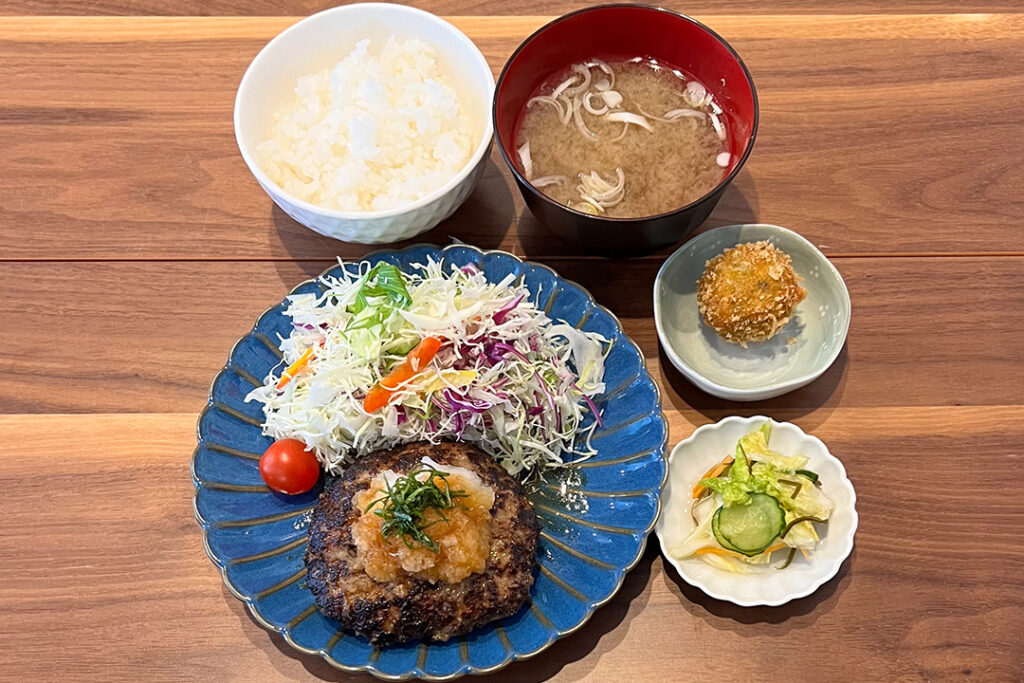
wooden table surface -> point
(136, 247)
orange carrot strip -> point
(715, 550)
(424, 352)
(710, 474)
(383, 391)
(295, 368)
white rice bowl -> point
(267, 96)
(380, 129)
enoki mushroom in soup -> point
(623, 139)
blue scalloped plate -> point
(594, 526)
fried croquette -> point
(749, 292)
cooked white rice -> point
(377, 131)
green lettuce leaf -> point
(732, 492)
(740, 470)
(766, 479)
(755, 444)
(738, 483)
(742, 478)
(809, 502)
(383, 291)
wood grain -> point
(552, 7)
(113, 563)
(116, 29)
(145, 337)
(107, 158)
(137, 248)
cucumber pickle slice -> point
(718, 534)
(749, 529)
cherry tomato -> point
(288, 467)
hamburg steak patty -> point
(410, 607)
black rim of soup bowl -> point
(607, 234)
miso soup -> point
(624, 139)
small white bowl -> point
(323, 39)
(764, 585)
(794, 357)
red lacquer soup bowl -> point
(625, 32)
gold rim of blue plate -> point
(653, 494)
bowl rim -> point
(478, 154)
(754, 393)
(814, 584)
(524, 183)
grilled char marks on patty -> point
(411, 608)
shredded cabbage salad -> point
(505, 377)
